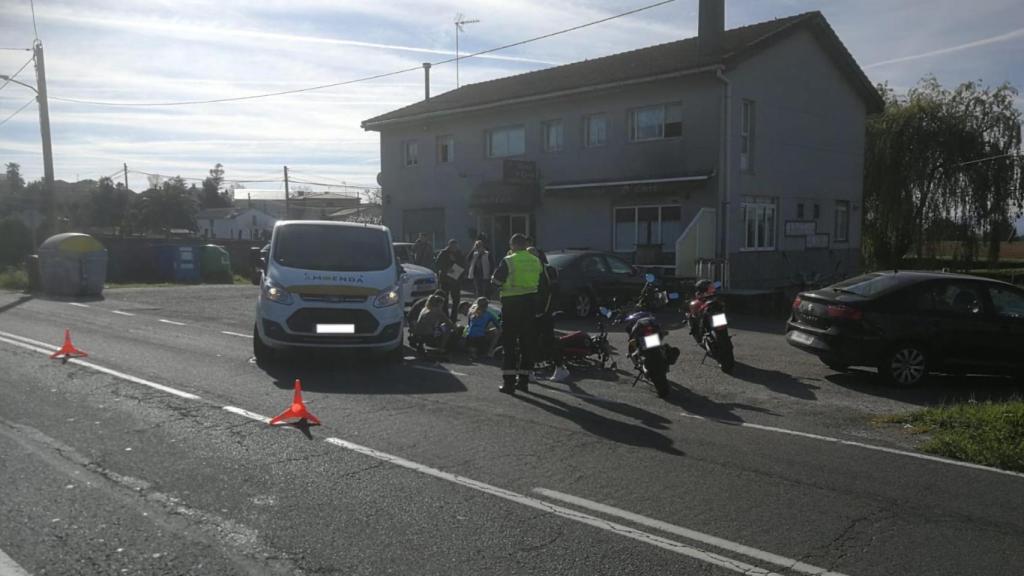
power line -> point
(15, 75)
(34, 29)
(23, 106)
(986, 159)
(18, 49)
(346, 186)
(365, 78)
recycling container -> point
(72, 264)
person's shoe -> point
(523, 383)
(508, 386)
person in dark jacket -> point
(521, 277)
(451, 269)
(480, 268)
(422, 252)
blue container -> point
(179, 264)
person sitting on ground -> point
(433, 328)
(483, 331)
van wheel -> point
(905, 366)
(264, 354)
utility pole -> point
(286, 199)
(44, 128)
(459, 23)
(125, 175)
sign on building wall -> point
(801, 227)
(519, 171)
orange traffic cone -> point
(297, 410)
(68, 350)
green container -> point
(215, 264)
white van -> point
(329, 285)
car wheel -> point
(583, 305)
(263, 354)
(905, 366)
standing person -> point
(422, 251)
(532, 244)
(451, 269)
(520, 275)
(480, 269)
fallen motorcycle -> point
(709, 325)
(650, 355)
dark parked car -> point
(588, 279)
(908, 324)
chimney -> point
(426, 80)
(710, 26)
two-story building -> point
(742, 145)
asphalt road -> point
(149, 457)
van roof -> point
(329, 223)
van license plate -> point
(335, 328)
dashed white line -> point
(8, 567)
(593, 521)
(44, 348)
(788, 563)
(240, 335)
(832, 440)
(122, 313)
(171, 322)
(79, 304)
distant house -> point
(235, 223)
(742, 146)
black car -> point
(588, 279)
(908, 324)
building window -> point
(509, 141)
(445, 149)
(800, 211)
(656, 122)
(747, 137)
(554, 136)
(817, 211)
(412, 153)
(595, 130)
(646, 225)
(758, 223)
(842, 221)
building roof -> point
(662, 60)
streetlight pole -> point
(459, 23)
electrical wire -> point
(18, 49)
(365, 78)
(23, 106)
(15, 75)
(34, 29)
(346, 186)
(986, 159)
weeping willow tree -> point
(942, 165)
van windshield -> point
(335, 248)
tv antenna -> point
(460, 21)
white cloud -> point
(1013, 35)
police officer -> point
(520, 275)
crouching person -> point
(433, 327)
(483, 330)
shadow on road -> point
(352, 373)
(21, 300)
(775, 381)
(940, 388)
(608, 428)
(645, 417)
(700, 405)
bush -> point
(17, 242)
(12, 278)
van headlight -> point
(388, 297)
(275, 292)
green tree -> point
(162, 208)
(211, 196)
(109, 204)
(17, 241)
(939, 161)
(15, 183)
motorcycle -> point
(709, 325)
(647, 350)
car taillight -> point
(843, 312)
(796, 303)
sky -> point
(145, 51)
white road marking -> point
(172, 322)
(874, 447)
(438, 370)
(247, 414)
(229, 333)
(122, 313)
(79, 304)
(8, 567)
(47, 349)
(787, 563)
(593, 521)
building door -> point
(500, 227)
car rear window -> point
(326, 247)
(560, 261)
(869, 285)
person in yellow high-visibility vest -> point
(520, 275)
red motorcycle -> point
(709, 325)
(579, 348)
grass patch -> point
(13, 278)
(988, 433)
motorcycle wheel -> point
(725, 356)
(660, 381)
